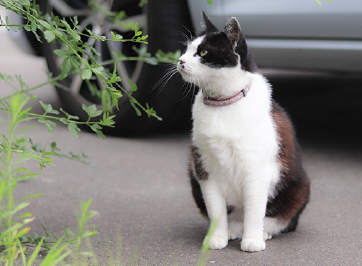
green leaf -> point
(151, 60)
(97, 129)
(21, 206)
(107, 120)
(66, 67)
(44, 23)
(25, 215)
(133, 85)
(48, 108)
(55, 255)
(49, 36)
(50, 125)
(86, 74)
(138, 112)
(84, 155)
(26, 3)
(29, 197)
(41, 120)
(27, 28)
(69, 116)
(64, 120)
(92, 110)
(142, 2)
(61, 53)
(35, 253)
(318, 2)
(104, 98)
(75, 62)
(209, 2)
(22, 232)
(97, 70)
(27, 176)
(74, 129)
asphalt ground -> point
(141, 189)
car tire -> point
(166, 21)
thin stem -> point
(9, 179)
(49, 81)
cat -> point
(245, 165)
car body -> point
(296, 34)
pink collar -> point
(214, 102)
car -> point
(283, 34)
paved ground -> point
(140, 186)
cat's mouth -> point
(182, 71)
(186, 75)
(180, 68)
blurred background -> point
(323, 43)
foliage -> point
(79, 58)
(16, 148)
(319, 2)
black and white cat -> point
(245, 164)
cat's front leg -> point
(255, 199)
(217, 237)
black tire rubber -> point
(167, 20)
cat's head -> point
(215, 53)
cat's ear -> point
(208, 25)
(232, 30)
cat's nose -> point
(181, 61)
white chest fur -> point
(238, 142)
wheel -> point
(164, 21)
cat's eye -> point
(203, 52)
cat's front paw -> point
(216, 242)
(252, 245)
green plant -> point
(205, 252)
(16, 146)
(318, 2)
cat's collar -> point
(223, 102)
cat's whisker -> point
(183, 42)
(165, 79)
(185, 37)
(185, 92)
(195, 89)
(200, 79)
(188, 88)
(192, 36)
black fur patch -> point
(220, 52)
(294, 188)
(223, 47)
(200, 172)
